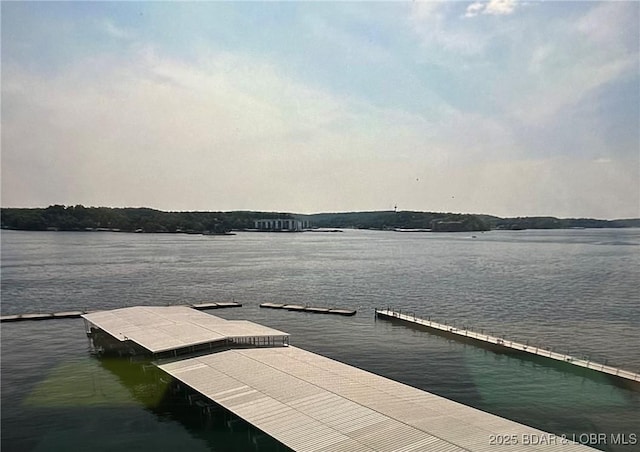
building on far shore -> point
(281, 225)
(447, 226)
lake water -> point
(573, 290)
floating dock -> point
(502, 344)
(314, 310)
(78, 314)
(42, 316)
(305, 401)
(216, 305)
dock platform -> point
(308, 402)
(215, 305)
(312, 309)
(312, 403)
(508, 345)
(169, 331)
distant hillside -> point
(556, 223)
(399, 220)
(451, 221)
(80, 218)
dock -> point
(169, 331)
(305, 401)
(501, 344)
(312, 309)
(78, 314)
(215, 305)
(42, 316)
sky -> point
(503, 107)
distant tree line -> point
(400, 220)
(456, 222)
(80, 218)
(520, 223)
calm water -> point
(576, 291)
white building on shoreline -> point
(281, 225)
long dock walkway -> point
(312, 403)
(499, 343)
(308, 402)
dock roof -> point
(163, 328)
(312, 403)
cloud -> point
(559, 88)
(423, 10)
(236, 131)
(611, 25)
(474, 9)
(537, 187)
(432, 22)
(493, 7)
(232, 131)
(480, 109)
(116, 32)
(500, 7)
(565, 71)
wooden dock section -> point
(508, 345)
(312, 309)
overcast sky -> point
(501, 107)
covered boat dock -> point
(170, 331)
